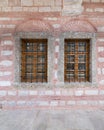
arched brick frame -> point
(78, 26)
(33, 26)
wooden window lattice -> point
(34, 60)
(76, 60)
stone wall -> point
(38, 18)
(38, 5)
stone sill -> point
(56, 85)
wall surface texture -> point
(54, 20)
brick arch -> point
(33, 26)
(78, 26)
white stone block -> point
(58, 92)
(49, 92)
(3, 3)
(6, 53)
(101, 102)
(54, 103)
(95, 0)
(11, 103)
(27, 2)
(102, 82)
(101, 39)
(103, 71)
(99, 71)
(51, 18)
(3, 93)
(78, 93)
(23, 93)
(100, 29)
(100, 49)
(32, 93)
(17, 9)
(62, 103)
(7, 26)
(8, 42)
(99, 10)
(82, 102)
(6, 63)
(56, 61)
(91, 92)
(93, 103)
(6, 73)
(6, 34)
(5, 83)
(41, 93)
(43, 103)
(1, 73)
(11, 93)
(57, 49)
(55, 75)
(57, 39)
(56, 26)
(21, 103)
(10, 26)
(5, 19)
(71, 103)
(89, 10)
(101, 92)
(101, 59)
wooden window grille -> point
(34, 60)
(76, 60)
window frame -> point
(93, 63)
(17, 58)
(75, 53)
(34, 75)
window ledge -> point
(57, 85)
